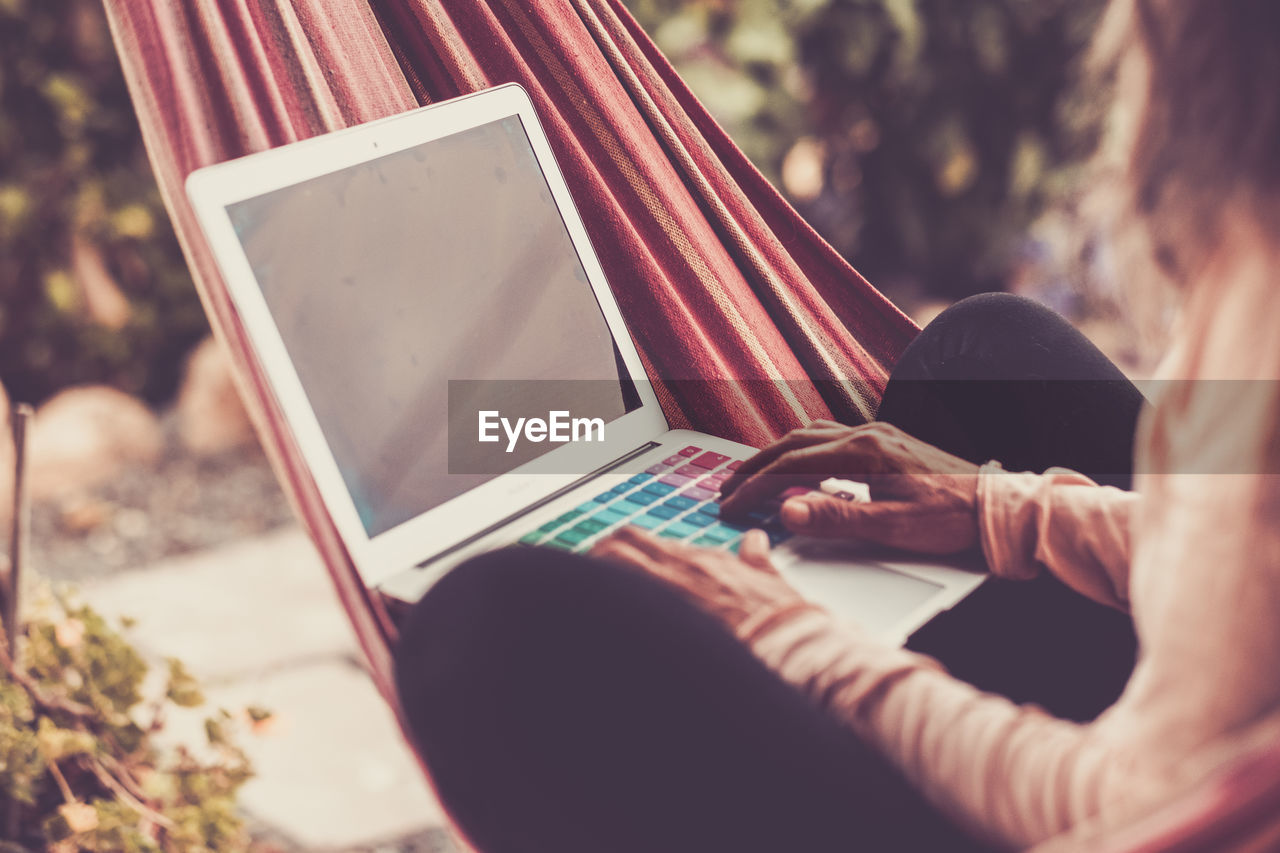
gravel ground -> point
(146, 514)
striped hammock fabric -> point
(717, 276)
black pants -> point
(569, 706)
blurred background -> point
(939, 145)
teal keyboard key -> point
(712, 509)
(678, 530)
(680, 502)
(589, 506)
(646, 521)
(642, 498)
(562, 520)
(640, 478)
(605, 497)
(572, 537)
(721, 533)
(698, 519)
(707, 542)
(609, 516)
(664, 512)
(733, 549)
(557, 543)
(660, 490)
(530, 538)
(590, 527)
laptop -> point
(438, 332)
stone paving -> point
(258, 623)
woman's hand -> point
(730, 587)
(922, 499)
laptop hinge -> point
(533, 507)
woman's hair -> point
(1196, 126)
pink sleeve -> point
(1008, 773)
(1059, 520)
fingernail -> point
(796, 512)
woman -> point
(660, 697)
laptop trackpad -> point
(855, 589)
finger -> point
(818, 432)
(754, 550)
(795, 468)
(829, 517)
(654, 547)
(621, 553)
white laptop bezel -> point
(214, 188)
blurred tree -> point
(920, 136)
(93, 287)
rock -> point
(211, 418)
(84, 436)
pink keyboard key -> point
(690, 471)
(657, 469)
(734, 465)
(676, 480)
(710, 460)
(719, 477)
(698, 494)
(673, 460)
(710, 483)
(691, 451)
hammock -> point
(717, 276)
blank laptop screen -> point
(446, 261)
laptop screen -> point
(446, 262)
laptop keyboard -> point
(676, 499)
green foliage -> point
(93, 287)
(930, 133)
(77, 751)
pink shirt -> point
(1194, 555)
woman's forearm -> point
(1061, 521)
(1011, 774)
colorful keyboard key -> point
(641, 498)
(699, 494)
(646, 521)
(659, 489)
(663, 511)
(690, 470)
(691, 450)
(709, 460)
(680, 502)
(610, 515)
(676, 480)
(589, 527)
(640, 478)
(678, 530)
(699, 519)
